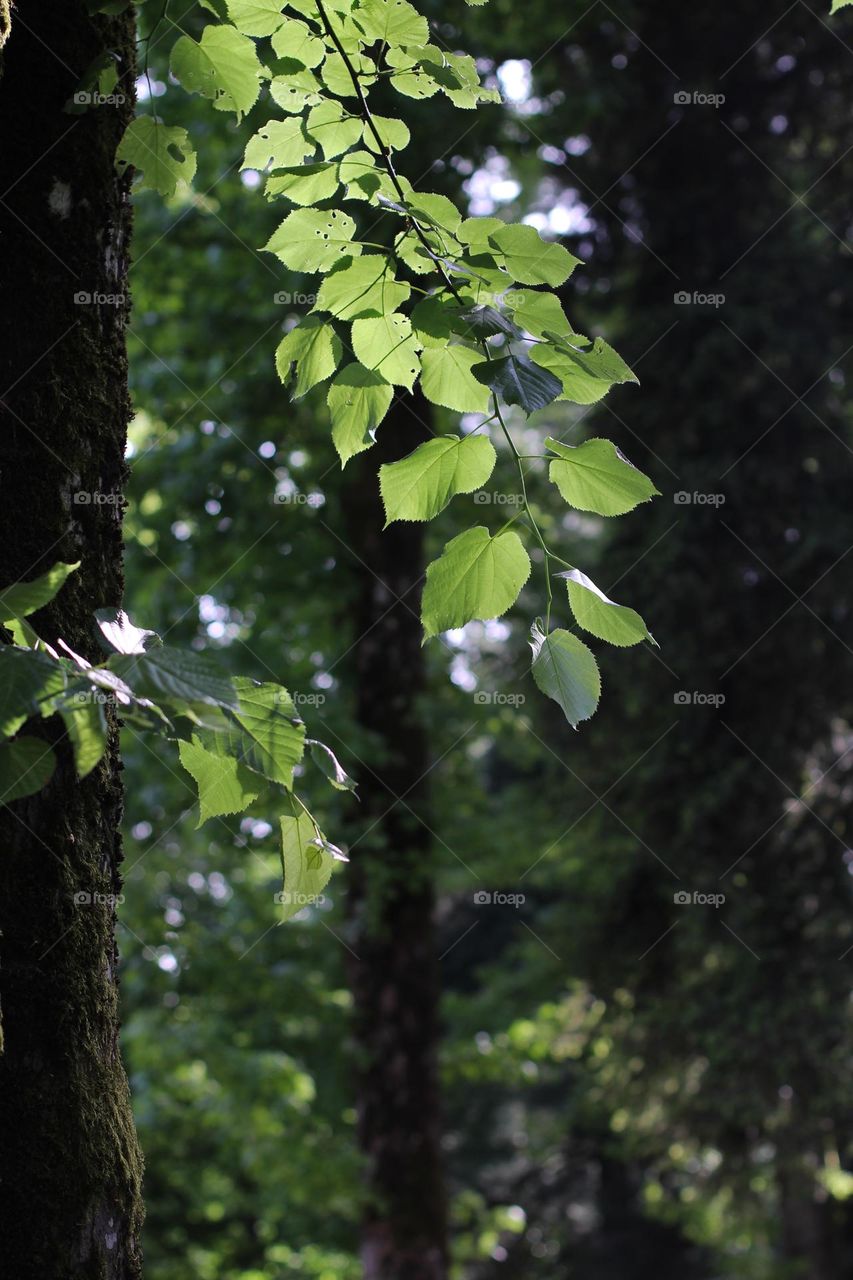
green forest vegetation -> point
(448, 970)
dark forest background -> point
(631, 1084)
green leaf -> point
(599, 361)
(179, 677)
(223, 66)
(435, 210)
(839, 4)
(314, 348)
(256, 17)
(395, 22)
(393, 133)
(280, 143)
(337, 79)
(26, 765)
(358, 401)
(447, 379)
(306, 866)
(483, 321)
(421, 485)
(265, 733)
(530, 259)
(517, 381)
(576, 384)
(596, 476)
(24, 598)
(333, 128)
(295, 41)
(602, 617)
(87, 730)
(27, 680)
(537, 312)
(224, 785)
(162, 155)
(565, 669)
(475, 232)
(361, 174)
(387, 345)
(305, 184)
(363, 288)
(296, 90)
(313, 240)
(433, 322)
(330, 765)
(476, 576)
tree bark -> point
(70, 1169)
(392, 966)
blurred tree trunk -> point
(392, 966)
(70, 1169)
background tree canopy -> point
(640, 932)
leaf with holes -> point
(476, 576)
(313, 240)
(358, 401)
(279, 143)
(421, 485)
(296, 90)
(603, 617)
(161, 154)
(387, 345)
(596, 476)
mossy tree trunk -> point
(392, 966)
(69, 1163)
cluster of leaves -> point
(235, 736)
(460, 306)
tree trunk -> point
(70, 1168)
(392, 966)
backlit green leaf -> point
(222, 65)
(224, 785)
(517, 381)
(256, 17)
(333, 128)
(476, 576)
(602, 617)
(280, 143)
(314, 348)
(530, 259)
(566, 670)
(24, 598)
(394, 22)
(421, 485)
(306, 865)
(26, 765)
(386, 344)
(363, 288)
(447, 379)
(313, 240)
(87, 730)
(161, 154)
(358, 401)
(596, 476)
